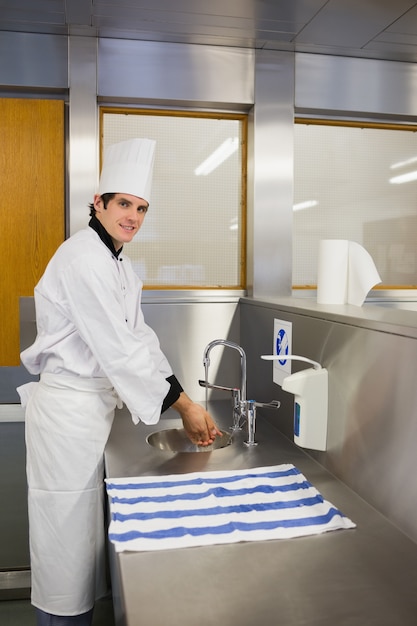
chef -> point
(93, 351)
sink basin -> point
(176, 440)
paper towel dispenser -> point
(310, 388)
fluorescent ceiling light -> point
(223, 152)
(404, 178)
(308, 204)
(234, 225)
(395, 166)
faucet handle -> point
(274, 404)
(205, 383)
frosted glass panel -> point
(358, 184)
(193, 234)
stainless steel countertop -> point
(363, 577)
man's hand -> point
(198, 424)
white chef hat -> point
(128, 167)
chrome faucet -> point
(238, 395)
(242, 408)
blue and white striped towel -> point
(184, 510)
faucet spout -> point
(234, 346)
(239, 395)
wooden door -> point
(32, 204)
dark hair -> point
(106, 197)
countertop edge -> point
(394, 321)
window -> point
(358, 182)
(194, 232)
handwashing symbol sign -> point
(282, 345)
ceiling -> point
(379, 29)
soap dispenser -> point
(310, 388)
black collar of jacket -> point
(96, 225)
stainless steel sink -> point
(176, 440)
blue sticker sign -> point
(282, 345)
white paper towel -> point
(346, 272)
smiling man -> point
(121, 215)
(93, 351)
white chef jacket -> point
(92, 346)
(90, 324)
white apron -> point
(68, 421)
